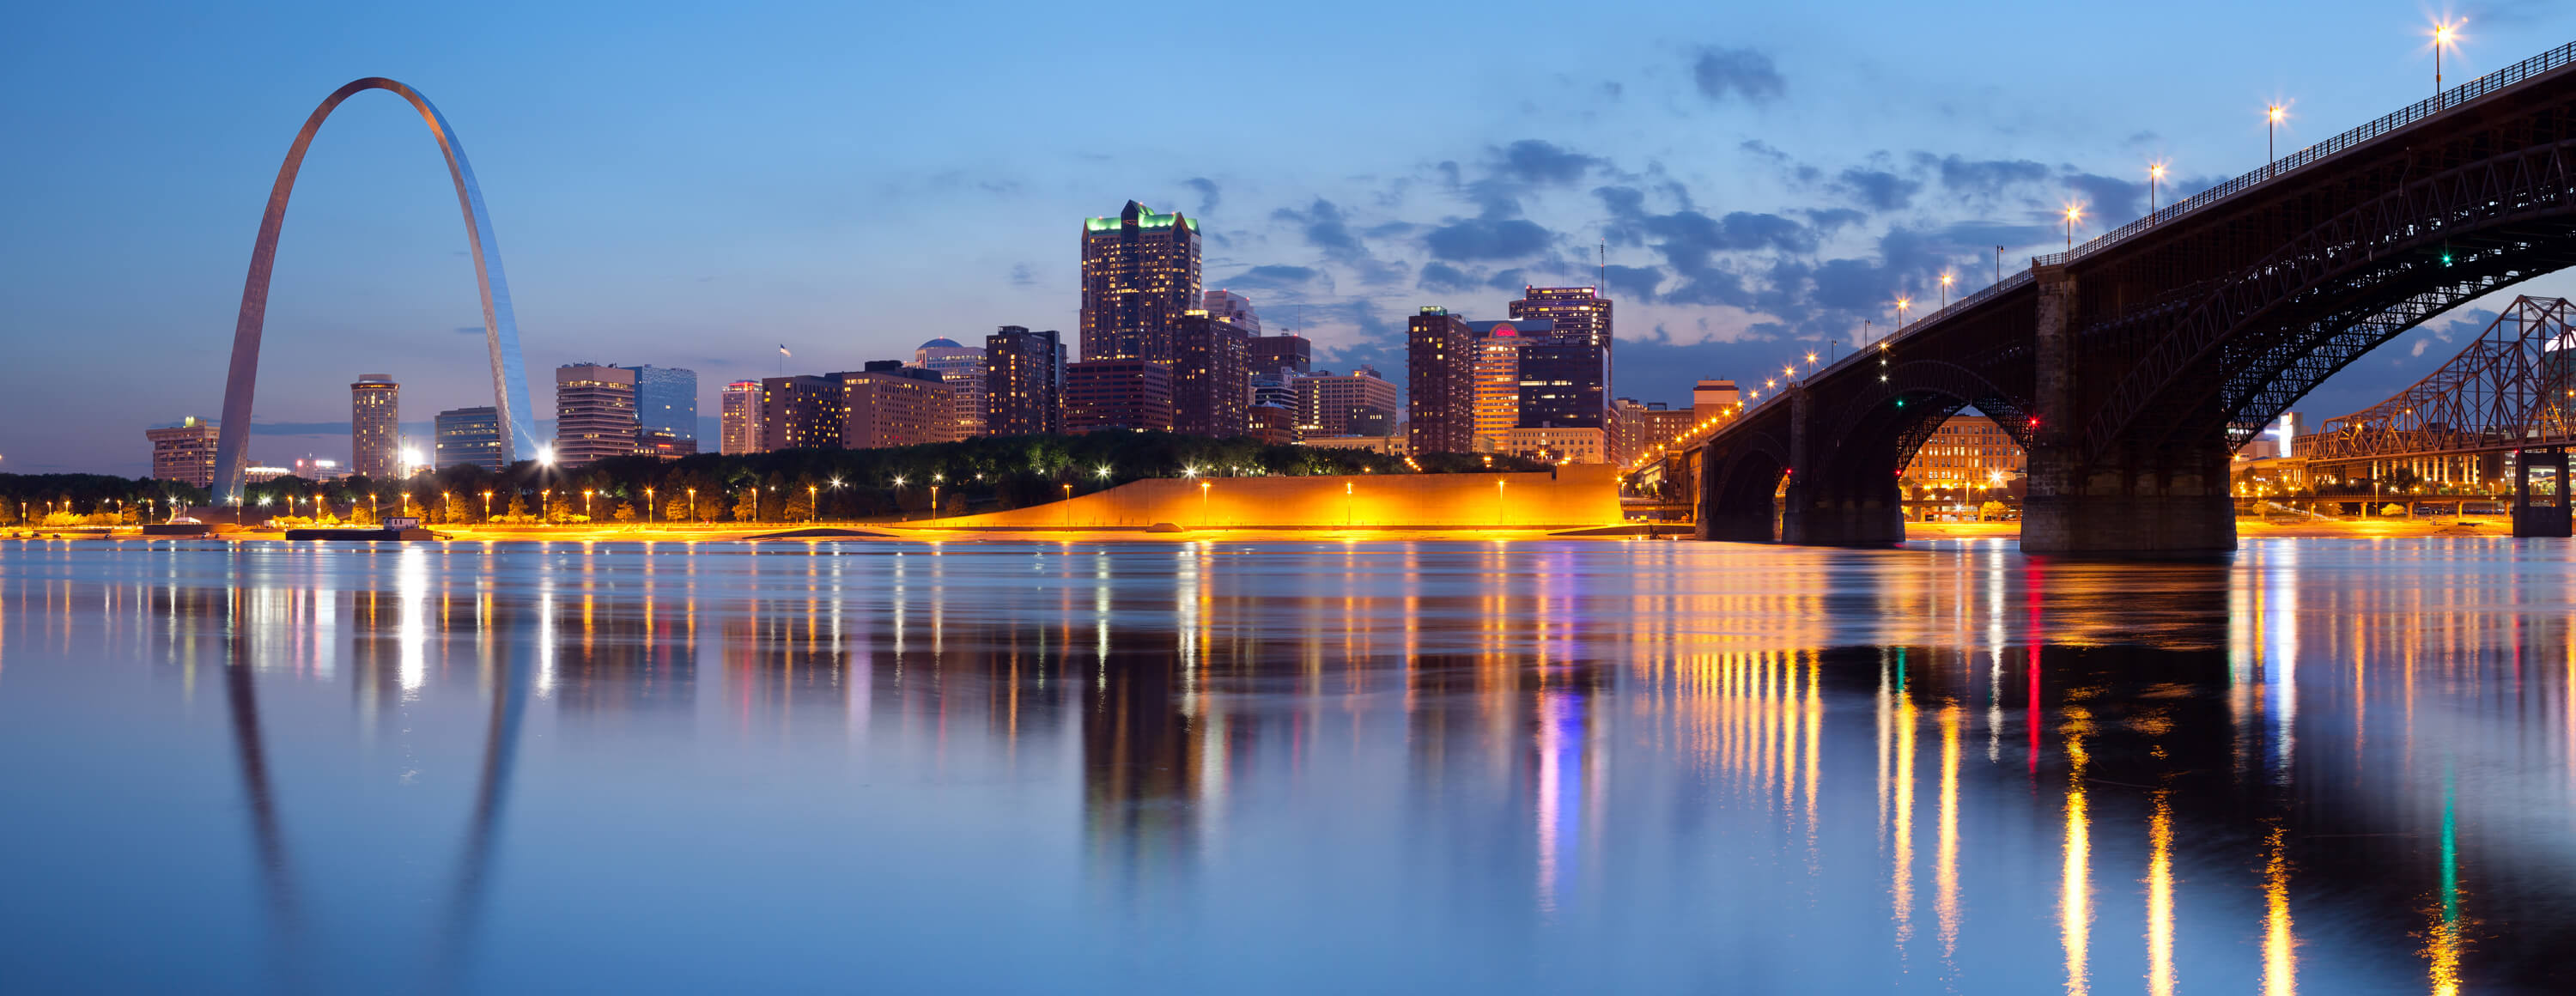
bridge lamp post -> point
(2271, 123)
(1902, 303)
(2443, 36)
(2155, 176)
(1945, 290)
(2073, 213)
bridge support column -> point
(1831, 510)
(2172, 501)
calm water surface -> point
(2325, 766)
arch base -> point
(2174, 503)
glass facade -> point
(469, 437)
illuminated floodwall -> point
(1575, 495)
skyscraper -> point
(594, 413)
(1562, 385)
(375, 425)
(666, 401)
(799, 412)
(1577, 311)
(1211, 382)
(964, 368)
(1271, 354)
(1117, 394)
(1023, 382)
(1440, 368)
(741, 418)
(1140, 272)
(184, 452)
(1228, 306)
(1498, 373)
(468, 437)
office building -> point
(666, 400)
(375, 425)
(1352, 404)
(1272, 354)
(467, 437)
(1271, 425)
(1646, 425)
(1211, 381)
(663, 444)
(890, 404)
(963, 366)
(1563, 384)
(1440, 364)
(800, 412)
(1967, 451)
(1712, 398)
(1577, 312)
(1498, 375)
(1558, 445)
(594, 413)
(1228, 306)
(1102, 395)
(1140, 272)
(184, 452)
(740, 426)
(1023, 382)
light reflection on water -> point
(2326, 765)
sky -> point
(695, 185)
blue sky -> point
(692, 185)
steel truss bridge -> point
(2133, 366)
(2510, 389)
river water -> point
(2324, 766)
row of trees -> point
(975, 475)
(90, 499)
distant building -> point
(1140, 272)
(663, 444)
(1390, 445)
(1712, 398)
(468, 437)
(594, 413)
(1228, 306)
(1351, 404)
(1271, 425)
(963, 366)
(1211, 378)
(740, 426)
(184, 452)
(1102, 395)
(666, 400)
(263, 475)
(1578, 313)
(890, 404)
(1558, 445)
(1024, 375)
(1645, 425)
(1563, 384)
(1271, 354)
(1967, 451)
(375, 425)
(318, 469)
(1498, 374)
(1440, 369)
(800, 412)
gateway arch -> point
(501, 330)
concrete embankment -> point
(1571, 497)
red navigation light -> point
(2034, 421)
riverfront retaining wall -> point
(1573, 495)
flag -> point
(782, 350)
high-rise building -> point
(1440, 370)
(1271, 354)
(1563, 384)
(890, 404)
(1023, 382)
(741, 419)
(964, 368)
(375, 425)
(1228, 306)
(1354, 404)
(468, 437)
(666, 401)
(1140, 271)
(800, 412)
(1580, 313)
(1211, 384)
(1498, 374)
(1101, 395)
(184, 452)
(594, 413)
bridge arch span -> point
(1739, 486)
(500, 327)
(1932, 390)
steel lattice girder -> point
(2509, 388)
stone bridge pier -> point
(1849, 501)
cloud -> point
(1739, 72)
(1487, 238)
(1325, 227)
(1207, 193)
(1982, 178)
(1277, 278)
(1024, 275)
(1536, 162)
(2112, 201)
(1878, 189)
(468, 330)
(1443, 278)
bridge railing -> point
(2456, 96)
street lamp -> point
(487, 506)
(2443, 35)
(693, 504)
(2155, 176)
(652, 512)
(2271, 122)
(1499, 517)
(813, 504)
(585, 502)
(2073, 212)
(1945, 290)
(1902, 303)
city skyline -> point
(1810, 185)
